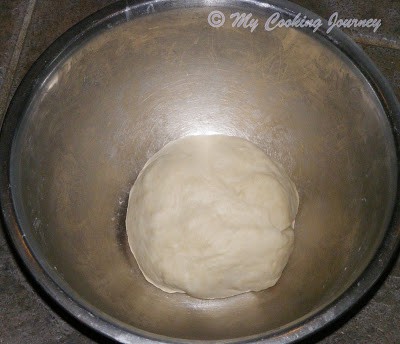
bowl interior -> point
(124, 93)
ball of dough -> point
(211, 216)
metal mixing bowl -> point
(121, 84)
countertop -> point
(28, 27)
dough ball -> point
(211, 216)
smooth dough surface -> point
(211, 216)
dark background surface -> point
(29, 27)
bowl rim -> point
(111, 327)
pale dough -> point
(211, 216)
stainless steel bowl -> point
(121, 84)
